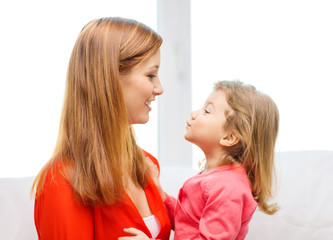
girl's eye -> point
(206, 111)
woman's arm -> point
(136, 235)
(58, 214)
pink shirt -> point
(214, 205)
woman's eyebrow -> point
(156, 66)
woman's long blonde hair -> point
(96, 145)
(255, 121)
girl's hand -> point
(153, 170)
(155, 175)
(137, 234)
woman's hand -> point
(137, 234)
(155, 175)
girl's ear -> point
(229, 140)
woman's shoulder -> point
(57, 191)
(58, 212)
(55, 178)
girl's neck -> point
(210, 166)
(213, 161)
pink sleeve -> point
(222, 216)
(170, 205)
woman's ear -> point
(229, 140)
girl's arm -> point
(170, 204)
(227, 211)
(221, 220)
(155, 175)
(169, 201)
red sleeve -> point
(58, 215)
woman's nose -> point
(158, 89)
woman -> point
(97, 183)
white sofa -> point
(16, 209)
(305, 181)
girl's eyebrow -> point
(210, 103)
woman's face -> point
(140, 87)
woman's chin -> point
(140, 121)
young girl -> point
(236, 129)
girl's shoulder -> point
(231, 179)
(227, 171)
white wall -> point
(282, 47)
(36, 40)
(174, 24)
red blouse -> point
(58, 215)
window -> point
(284, 48)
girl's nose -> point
(194, 114)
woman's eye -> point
(206, 111)
(151, 76)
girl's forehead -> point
(216, 95)
(218, 99)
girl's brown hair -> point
(96, 145)
(254, 119)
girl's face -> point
(206, 126)
(140, 87)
